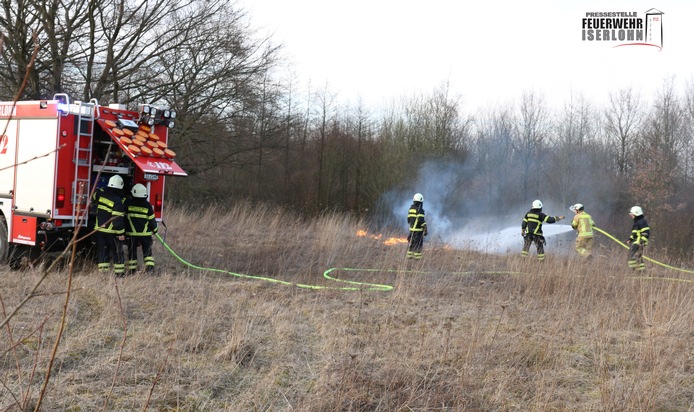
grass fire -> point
(389, 241)
(461, 329)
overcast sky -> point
(490, 52)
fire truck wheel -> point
(4, 244)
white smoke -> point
(473, 227)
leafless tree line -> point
(246, 129)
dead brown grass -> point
(561, 336)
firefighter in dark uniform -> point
(640, 233)
(418, 227)
(140, 225)
(531, 229)
(110, 232)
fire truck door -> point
(24, 230)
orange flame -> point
(395, 240)
(389, 242)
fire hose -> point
(647, 258)
(354, 285)
(367, 286)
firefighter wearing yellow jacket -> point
(531, 229)
(640, 234)
(140, 225)
(109, 226)
(583, 224)
(418, 227)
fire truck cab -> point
(55, 153)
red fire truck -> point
(54, 153)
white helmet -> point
(577, 206)
(115, 182)
(139, 190)
(418, 197)
(636, 211)
(537, 204)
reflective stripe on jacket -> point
(415, 218)
(533, 220)
(139, 216)
(640, 232)
(109, 208)
(583, 223)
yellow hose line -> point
(358, 285)
(645, 257)
(366, 286)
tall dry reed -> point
(459, 330)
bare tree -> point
(533, 130)
(326, 100)
(572, 159)
(623, 118)
(493, 153)
(658, 172)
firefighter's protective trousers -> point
(636, 257)
(539, 244)
(109, 226)
(140, 226)
(110, 248)
(146, 243)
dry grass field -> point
(459, 331)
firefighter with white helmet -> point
(109, 226)
(583, 224)
(140, 225)
(418, 227)
(640, 234)
(531, 229)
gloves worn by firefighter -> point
(628, 242)
(425, 231)
(558, 218)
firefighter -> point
(418, 228)
(109, 226)
(531, 229)
(140, 225)
(640, 233)
(583, 224)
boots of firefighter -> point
(149, 264)
(119, 269)
(131, 267)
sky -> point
(488, 52)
